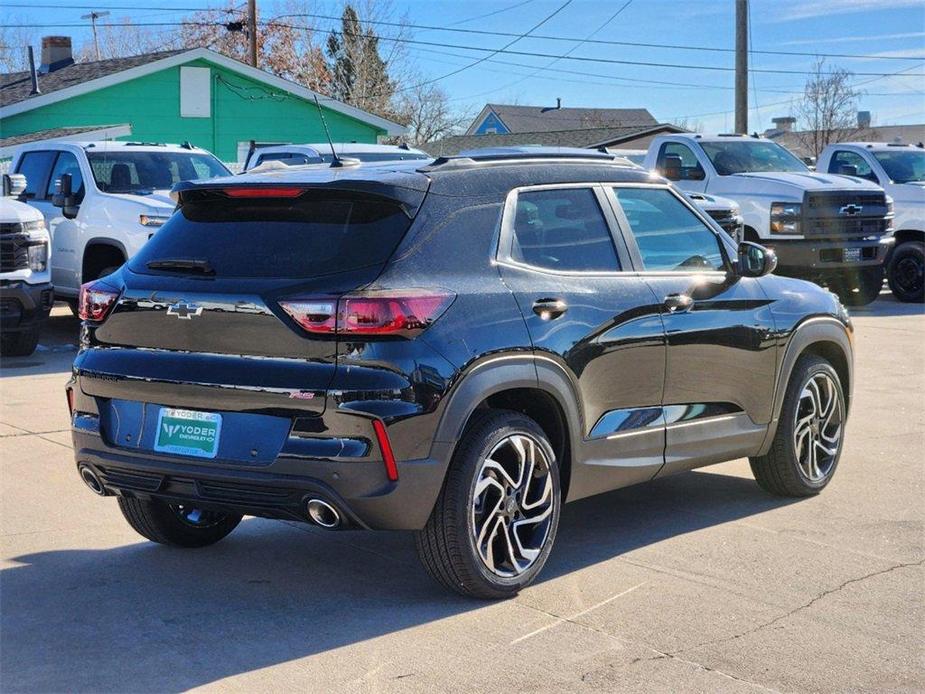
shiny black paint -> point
(701, 385)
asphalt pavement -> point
(699, 582)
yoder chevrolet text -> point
(455, 348)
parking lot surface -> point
(700, 582)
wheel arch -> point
(826, 337)
(92, 250)
(524, 383)
(904, 235)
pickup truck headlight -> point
(35, 225)
(785, 217)
(38, 256)
(152, 220)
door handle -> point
(678, 303)
(549, 309)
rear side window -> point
(317, 234)
(562, 230)
(36, 166)
(670, 237)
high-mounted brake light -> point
(264, 192)
(404, 313)
(96, 300)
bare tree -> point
(120, 38)
(425, 109)
(14, 41)
(827, 112)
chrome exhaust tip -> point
(92, 480)
(322, 513)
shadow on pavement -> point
(886, 306)
(56, 351)
(146, 617)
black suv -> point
(454, 349)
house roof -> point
(86, 132)
(16, 87)
(798, 141)
(523, 119)
(81, 78)
(578, 137)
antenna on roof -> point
(335, 160)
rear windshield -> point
(314, 235)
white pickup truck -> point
(103, 200)
(900, 170)
(26, 293)
(829, 228)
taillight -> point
(382, 313)
(96, 300)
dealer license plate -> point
(187, 432)
(852, 255)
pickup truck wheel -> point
(19, 344)
(860, 290)
(176, 524)
(808, 442)
(495, 521)
(906, 274)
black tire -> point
(861, 289)
(906, 274)
(779, 471)
(447, 544)
(166, 524)
(21, 343)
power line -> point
(501, 34)
(490, 51)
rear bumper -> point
(279, 490)
(824, 255)
(24, 305)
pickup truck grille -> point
(13, 253)
(840, 213)
(728, 221)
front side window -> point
(669, 235)
(141, 173)
(35, 166)
(562, 230)
(67, 164)
(851, 164)
(746, 156)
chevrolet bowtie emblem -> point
(851, 210)
(183, 310)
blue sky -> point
(886, 28)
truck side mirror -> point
(64, 196)
(848, 170)
(14, 185)
(671, 167)
(755, 260)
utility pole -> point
(93, 16)
(741, 88)
(252, 30)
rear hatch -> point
(200, 322)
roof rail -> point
(523, 154)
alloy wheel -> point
(817, 430)
(512, 505)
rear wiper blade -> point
(194, 264)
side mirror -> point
(755, 260)
(14, 185)
(671, 167)
(848, 170)
(64, 196)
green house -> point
(196, 95)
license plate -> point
(852, 255)
(187, 432)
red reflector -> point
(264, 192)
(386, 312)
(388, 458)
(96, 300)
